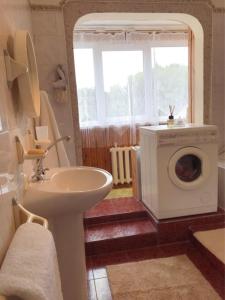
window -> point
(119, 87)
(86, 85)
(170, 69)
(130, 77)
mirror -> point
(24, 68)
(28, 82)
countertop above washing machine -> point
(186, 127)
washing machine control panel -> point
(188, 138)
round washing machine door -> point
(189, 167)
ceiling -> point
(217, 3)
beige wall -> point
(218, 76)
(14, 15)
(218, 3)
(50, 46)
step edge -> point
(120, 222)
(153, 233)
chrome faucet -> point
(39, 170)
(66, 138)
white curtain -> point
(122, 78)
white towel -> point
(57, 156)
(30, 268)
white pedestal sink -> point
(62, 198)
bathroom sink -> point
(67, 190)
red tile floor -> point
(97, 277)
(115, 226)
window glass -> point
(123, 79)
(170, 75)
(85, 79)
(119, 82)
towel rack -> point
(30, 218)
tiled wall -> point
(14, 15)
(218, 76)
(218, 3)
(50, 35)
(49, 39)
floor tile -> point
(90, 274)
(91, 290)
(215, 278)
(99, 273)
(120, 192)
(109, 259)
(102, 289)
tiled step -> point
(112, 210)
(210, 226)
(218, 264)
(122, 235)
(178, 229)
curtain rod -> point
(128, 31)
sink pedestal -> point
(62, 197)
(68, 233)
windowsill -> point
(121, 125)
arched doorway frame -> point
(197, 14)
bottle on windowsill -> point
(170, 121)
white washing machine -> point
(179, 170)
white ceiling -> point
(217, 3)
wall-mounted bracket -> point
(30, 217)
(13, 68)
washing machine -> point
(179, 170)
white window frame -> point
(145, 47)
